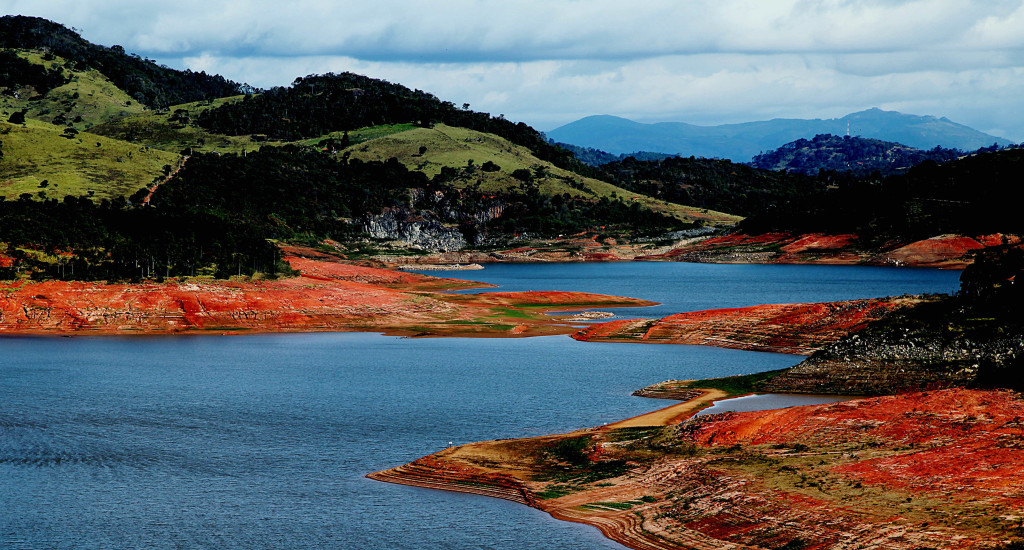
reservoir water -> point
(262, 441)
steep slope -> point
(740, 142)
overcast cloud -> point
(550, 62)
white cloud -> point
(552, 61)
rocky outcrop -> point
(416, 229)
(941, 469)
(901, 359)
(785, 328)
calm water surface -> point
(262, 441)
(680, 287)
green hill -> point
(467, 159)
(42, 158)
(81, 99)
(142, 79)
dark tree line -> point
(319, 104)
(221, 214)
(143, 79)
(78, 239)
(709, 183)
(972, 196)
(16, 72)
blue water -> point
(262, 441)
(680, 287)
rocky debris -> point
(896, 358)
(785, 328)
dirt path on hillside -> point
(145, 201)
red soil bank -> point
(785, 328)
(968, 443)
(334, 297)
(942, 469)
(944, 251)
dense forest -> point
(971, 196)
(319, 104)
(221, 213)
(144, 80)
(857, 155)
(710, 183)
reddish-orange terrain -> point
(786, 328)
(943, 251)
(327, 297)
(941, 469)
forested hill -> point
(711, 183)
(320, 104)
(144, 80)
(858, 155)
(970, 196)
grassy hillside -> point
(462, 154)
(40, 157)
(86, 99)
(172, 130)
(143, 80)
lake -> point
(262, 441)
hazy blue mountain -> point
(740, 142)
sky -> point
(550, 62)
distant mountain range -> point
(741, 142)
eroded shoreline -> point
(898, 472)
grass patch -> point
(737, 385)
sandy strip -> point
(673, 414)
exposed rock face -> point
(421, 230)
(784, 328)
(942, 469)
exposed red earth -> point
(786, 328)
(943, 251)
(331, 297)
(942, 469)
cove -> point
(262, 441)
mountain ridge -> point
(740, 142)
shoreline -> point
(742, 484)
(621, 528)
